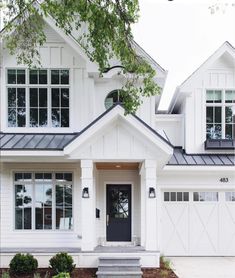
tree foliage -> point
(103, 29)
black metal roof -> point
(34, 141)
(181, 158)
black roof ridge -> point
(110, 109)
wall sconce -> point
(152, 193)
(85, 192)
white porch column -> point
(88, 206)
(149, 236)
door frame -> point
(131, 183)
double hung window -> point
(38, 98)
(220, 114)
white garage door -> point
(198, 223)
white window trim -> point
(49, 128)
(54, 182)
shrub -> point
(5, 275)
(62, 263)
(62, 275)
(165, 263)
(164, 273)
(23, 264)
(37, 275)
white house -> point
(77, 175)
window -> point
(205, 196)
(230, 196)
(220, 114)
(42, 101)
(43, 201)
(113, 98)
(176, 196)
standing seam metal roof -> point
(181, 158)
(30, 141)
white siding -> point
(23, 238)
(220, 75)
(173, 127)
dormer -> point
(207, 101)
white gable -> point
(119, 137)
(223, 58)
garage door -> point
(198, 223)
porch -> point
(84, 259)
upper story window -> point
(38, 98)
(220, 114)
(113, 98)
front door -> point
(118, 219)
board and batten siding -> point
(87, 90)
(220, 75)
(11, 238)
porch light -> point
(152, 193)
(85, 192)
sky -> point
(181, 34)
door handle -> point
(107, 219)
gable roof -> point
(181, 89)
(58, 141)
(225, 47)
(111, 115)
(71, 40)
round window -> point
(113, 98)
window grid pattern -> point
(176, 196)
(220, 114)
(37, 88)
(16, 107)
(205, 196)
(43, 201)
(230, 196)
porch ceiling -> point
(117, 166)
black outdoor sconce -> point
(85, 192)
(152, 193)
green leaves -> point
(104, 33)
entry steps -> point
(117, 267)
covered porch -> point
(115, 195)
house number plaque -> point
(223, 179)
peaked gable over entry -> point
(115, 136)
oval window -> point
(113, 98)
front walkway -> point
(203, 267)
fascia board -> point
(25, 153)
(226, 47)
(147, 133)
(182, 168)
(118, 111)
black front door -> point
(118, 220)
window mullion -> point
(53, 202)
(33, 202)
(49, 107)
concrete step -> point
(118, 274)
(123, 267)
(119, 260)
(116, 267)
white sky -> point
(181, 34)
